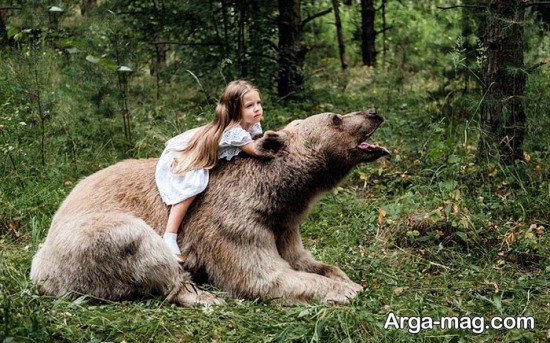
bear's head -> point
(333, 138)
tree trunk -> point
(159, 63)
(291, 51)
(226, 24)
(502, 114)
(340, 35)
(241, 38)
(384, 29)
(4, 41)
(86, 6)
(368, 33)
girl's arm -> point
(249, 149)
(268, 146)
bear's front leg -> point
(292, 284)
(262, 273)
(292, 250)
(286, 283)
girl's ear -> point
(271, 143)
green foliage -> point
(431, 232)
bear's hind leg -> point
(153, 268)
(111, 256)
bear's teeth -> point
(365, 145)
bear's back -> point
(127, 186)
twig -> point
(266, 56)
(14, 166)
(271, 44)
(528, 301)
(384, 29)
(187, 44)
(420, 257)
(536, 66)
(529, 4)
(42, 117)
(459, 6)
(132, 12)
(317, 15)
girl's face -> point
(251, 111)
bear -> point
(241, 234)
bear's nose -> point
(372, 114)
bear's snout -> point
(371, 114)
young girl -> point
(183, 168)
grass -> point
(429, 281)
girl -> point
(183, 168)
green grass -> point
(429, 281)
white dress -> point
(176, 188)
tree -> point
(86, 6)
(340, 35)
(242, 46)
(4, 41)
(504, 77)
(292, 51)
(256, 51)
(368, 33)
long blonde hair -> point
(202, 150)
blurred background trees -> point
(126, 61)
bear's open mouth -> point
(372, 147)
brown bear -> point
(241, 235)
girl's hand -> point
(252, 150)
(249, 149)
(268, 146)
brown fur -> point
(242, 233)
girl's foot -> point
(171, 240)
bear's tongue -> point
(368, 146)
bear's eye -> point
(336, 119)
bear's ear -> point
(270, 144)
